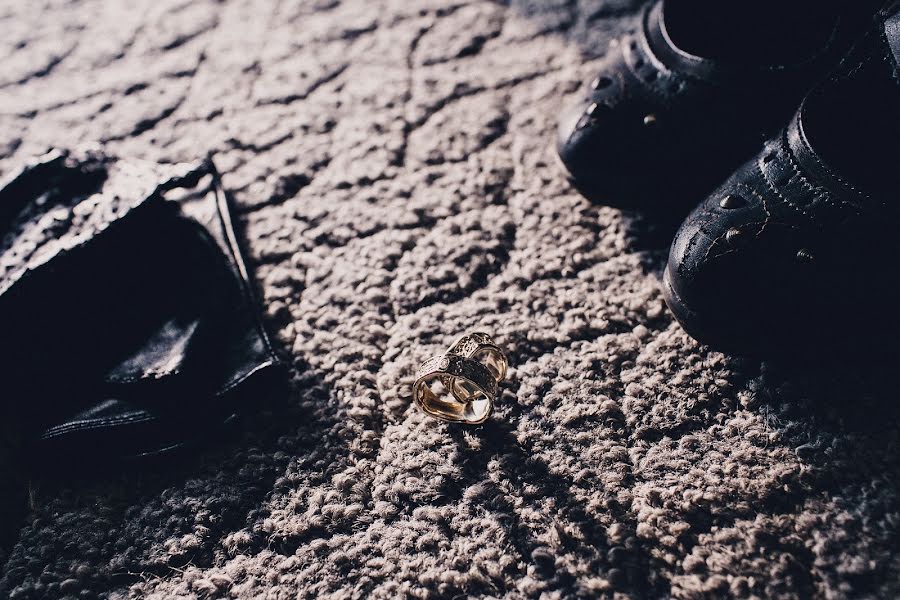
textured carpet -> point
(396, 187)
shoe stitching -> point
(627, 56)
(848, 187)
(645, 54)
(819, 193)
(681, 78)
(644, 43)
(771, 186)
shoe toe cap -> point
(568, 124)
(601, 151)
(719, 275)
(618, 152)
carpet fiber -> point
(392, 166)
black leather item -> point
(129, 323)
(794, 254)
(659, 128)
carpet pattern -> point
(396, 187)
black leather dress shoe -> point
(659, 127)
(797, 252)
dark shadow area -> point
(627, 569)
(858, 398)
(844, 427)
(650, 233)
(241, 461)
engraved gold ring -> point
(480, 347)
(460, 386)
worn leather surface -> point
(793, 255)
(665, 127)
(129, 328)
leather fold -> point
(131, 326)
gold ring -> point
(464, 389)
(480, 346)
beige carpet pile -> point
(393, 168)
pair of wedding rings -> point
(460, 386)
